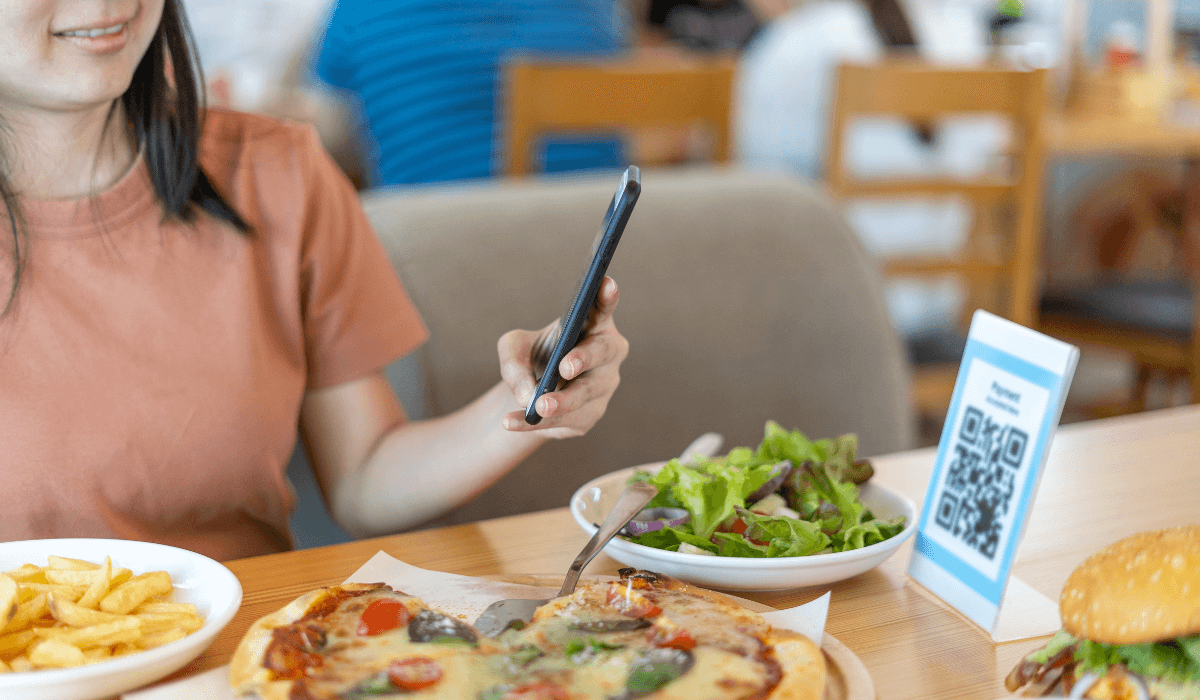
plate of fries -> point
(82, 619)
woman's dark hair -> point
(164, 112)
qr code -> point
(981, 481)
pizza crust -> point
(803, 666)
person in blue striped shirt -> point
(427, 78)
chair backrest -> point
(925, 94)
(745, 297)
(555, 97)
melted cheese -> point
(726, 664)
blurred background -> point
(1036, 159)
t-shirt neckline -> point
(131, 197)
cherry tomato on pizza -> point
(414, 673)
(382, 615)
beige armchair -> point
(744, 297)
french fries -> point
(10, 597)
(73, 612)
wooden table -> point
(1105, 479)
(1074, 134)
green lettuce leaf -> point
(1191, 647)
(840, 461)
(793, 548)
(663, 480)
(820, 489)
(671, 537)
(1061, 640)
(798, 536)
(779, 444)
(709, 499)
(1096, 657)
(1173, 660)
(868, 533)
(734, 545)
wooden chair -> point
(1151, 320)
(556, 97)
(1002, 264)
(1151, 315)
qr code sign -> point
(980, 482)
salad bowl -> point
(592, 501)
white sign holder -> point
(1007, 402)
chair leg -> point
(1180, 387)
(1140, 388)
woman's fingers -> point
(574, 409)
(516, 365)
(606, 302)
(591, 369)
(602, 343)
(594, 352)
(572, 397)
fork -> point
(510, 612)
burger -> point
(1131, 624)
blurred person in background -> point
(188, 288)
(427, 78)
(688, 30)
(248, 49)
(786, 81)
(783, 103)
(254, 55)
(704, 26)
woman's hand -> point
(383, 474)
(591, 368)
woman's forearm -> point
(423, 469)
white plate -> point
(594, 499)
(213, 589)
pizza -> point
(644, 635)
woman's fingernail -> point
(525, 392)
(509, 423)
(546, 405)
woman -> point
(187, 288)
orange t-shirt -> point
(151, 372)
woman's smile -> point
(103, 37)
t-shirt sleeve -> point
(357, 316)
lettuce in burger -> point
(1131, 624)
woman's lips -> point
(98, 40)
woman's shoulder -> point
(236, 141)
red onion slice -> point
(779, 472)
(651, 519)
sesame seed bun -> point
(1145, 588)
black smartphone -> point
(571, 326)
